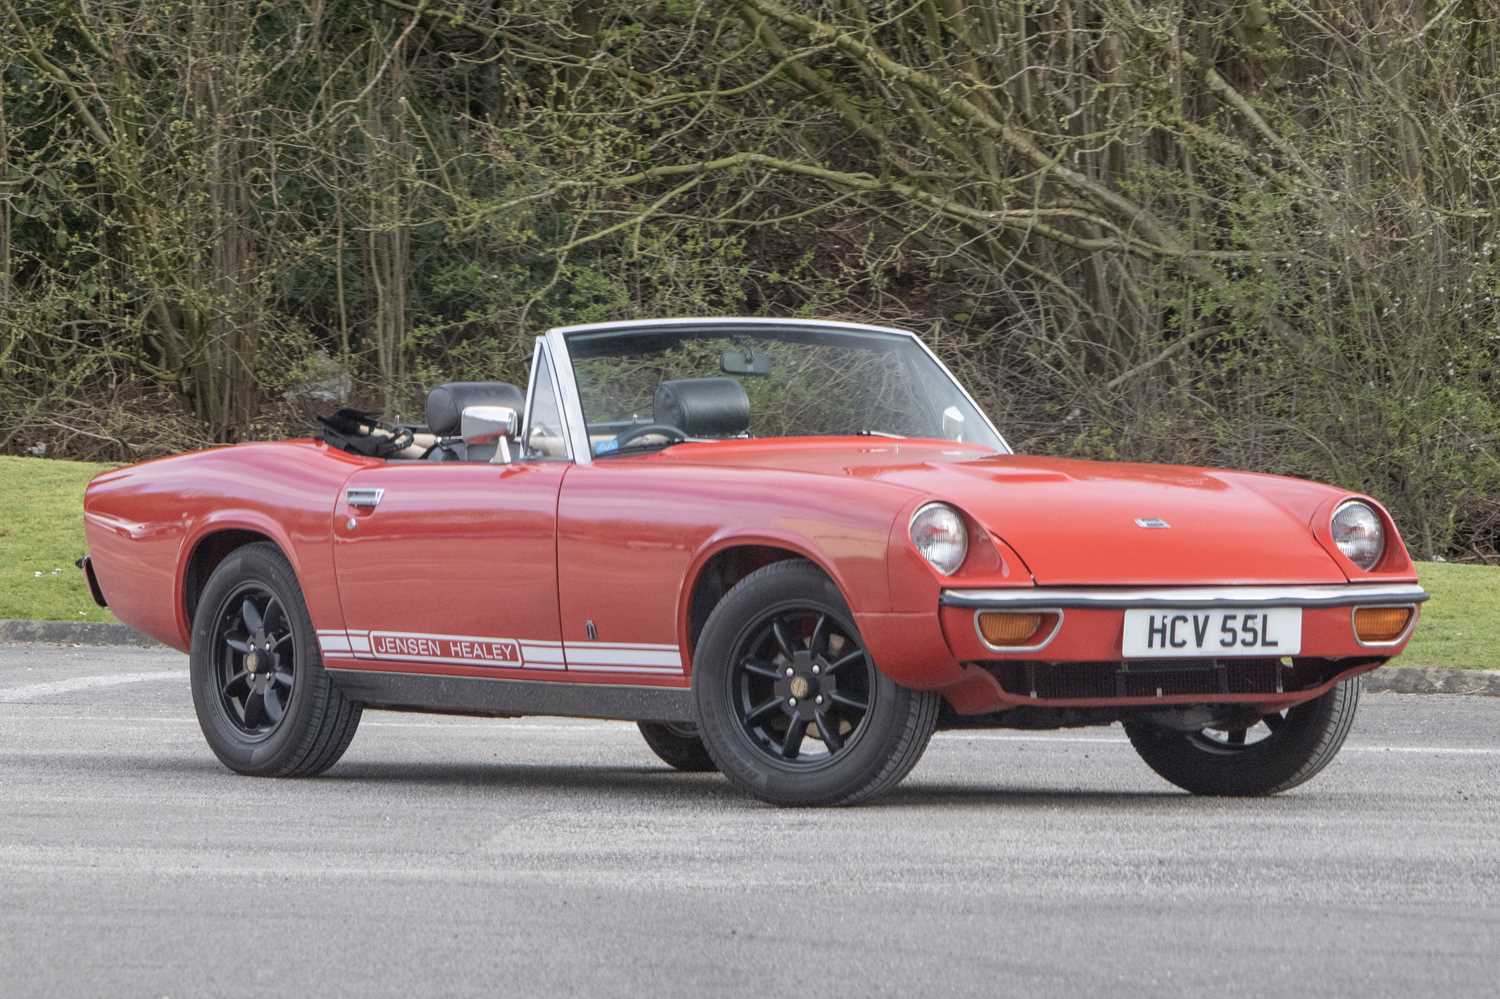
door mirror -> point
(953, 424)
(483, 426)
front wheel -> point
(1273, 754)
(265, 704)
(790, 704)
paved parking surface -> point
(472, 857)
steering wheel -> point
(671, 433)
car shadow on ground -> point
(950, 795)
(662, 784)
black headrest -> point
(445, 404)
(704, 407)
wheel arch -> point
(724, 563)
(211, 546)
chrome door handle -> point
(363, 499)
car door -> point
(450, 567)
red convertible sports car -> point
(790, 550)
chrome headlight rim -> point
(934, 507)
(1380, 532)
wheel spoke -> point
(842, 661)
(782, 641)
(761, 711)
(282, 677)
(272, 702)
(283, 637)
(237, 644)
(845, 701)
(1274, 721)
(251, 616)
(819, 640)
(793, 741)
(759, 668)
(232, 681)
(274, 614)
(829, 732)
(255, 710)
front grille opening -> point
(1154, 678)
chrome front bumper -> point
(1333, 595)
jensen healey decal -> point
(501, 653)
(446, 648)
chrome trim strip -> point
(710, 322)
(687, 322)
(1411, 625)
(1021, 648)
(1332, 595)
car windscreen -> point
(799, 382)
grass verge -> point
(1460, 626)
(41, 533)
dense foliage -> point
(1247, 232)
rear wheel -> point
(265, 704)
(1259, 757)
(790, 704)
(678, 745)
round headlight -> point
(1359, 534)
(938, 532)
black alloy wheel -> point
(791, 705)
(266, 705)
(255, 659)
(677, 744)
(1229, 739)
(1252, 757)
(802, 686)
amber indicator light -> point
(1013, 628)
(1381, 624)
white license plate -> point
(1167, 633)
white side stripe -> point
(623, 657)
(502, 653)
(604, 668)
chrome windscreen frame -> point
(577, 427)
(542, 351)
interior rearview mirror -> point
(481, 426)
(742, 362)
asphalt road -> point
(536, 857)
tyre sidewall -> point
(271, 754)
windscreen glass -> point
(797, 382)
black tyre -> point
(790, 706)
(265, 704)
(1272, 755)
(678, 745)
